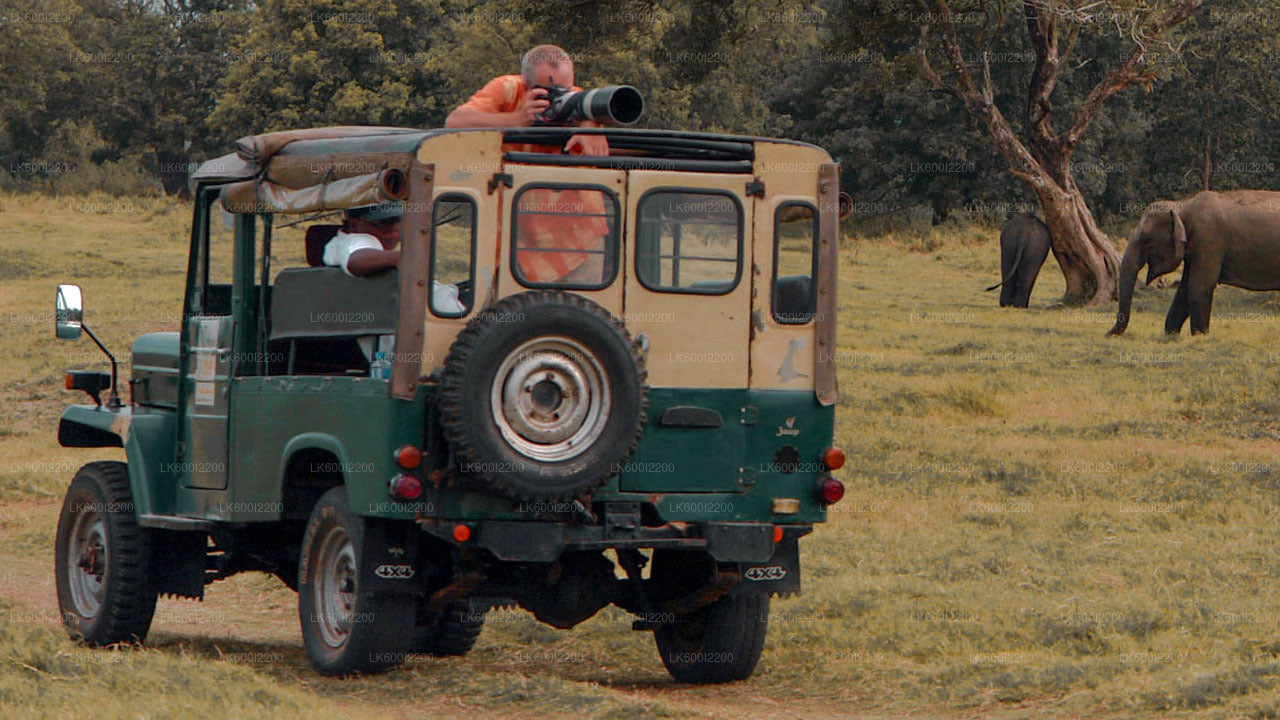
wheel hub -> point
(335, 587)
(88, 558)
(550, 400)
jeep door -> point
(688, 299)
(208, 342)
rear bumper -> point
(522, 541)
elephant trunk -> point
(1130, 264)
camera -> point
(612, 105)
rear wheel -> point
(716, 643)
(452, 631)
(103, 559)
(345, 629)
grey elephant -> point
(1024, 244)
(1227, 238)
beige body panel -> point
(694, 340)
(465, 162)
(782, 355)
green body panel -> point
(663, 470)
(351, 418)
(155, 369)
(147, 435)
(676, 459)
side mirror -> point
(69, 317)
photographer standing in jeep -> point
(570, 249)
(514, 101)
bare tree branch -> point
(979, 102)
(1042, 29)
(1127, 73)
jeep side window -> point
(565, 236)
(453, 243)
(689, 241)
(795, 263)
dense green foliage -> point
(121, 94)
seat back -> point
(317, 237)
(325, 302)
(793, 297)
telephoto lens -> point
(612, 105)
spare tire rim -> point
(87, 563)
(550, 400)
(334, 592)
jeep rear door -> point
(688, 299)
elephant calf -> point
(1228, 238)
(1024, 244)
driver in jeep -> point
(562, 231)
(367, 244)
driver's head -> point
(547, 65)
(381, 221)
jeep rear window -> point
(565, 236)
(689, 241)
(795, 263)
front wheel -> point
(345, 628)
(103, 559)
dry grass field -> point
(1040, 521)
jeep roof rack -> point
(631, 148)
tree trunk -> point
(1208, 159)
(1085, 254)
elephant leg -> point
(1201, 302)
(1178, 310)
(1026, 280)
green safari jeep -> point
(590, 381)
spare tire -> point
(543, 397)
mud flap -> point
(390, 558)
(178, 562)
(779, 575)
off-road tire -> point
(452, 631)
(377, 638)
(717, 643)
(483, 355)
(128, 596)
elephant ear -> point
(1179, 230)
(1178, 233)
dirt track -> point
(252, 619)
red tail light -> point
(833, 458)
(408, 457)
(71, 382)
(405, 487)
(830, 490)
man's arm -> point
(465, 116)
(363, 263)
(484, 109)
(592, 145)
